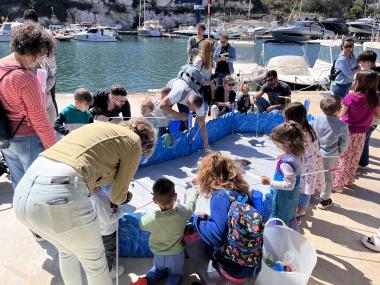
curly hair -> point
(145, 130)
(31, 39)
(291, 135)
(218, 171)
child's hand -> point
(201, 214)
(265, 180)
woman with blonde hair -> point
(203, 61)
(220, 178)
(52, 198)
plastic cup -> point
(257, 197)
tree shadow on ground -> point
(363, 194)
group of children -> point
(321, 156)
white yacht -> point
(374, 46)
(151, 28)
(302, 31)
(6, 31)
(293, 68)
(97, 34)
(365, 26)
(190, 31)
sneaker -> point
(360, 167)
(140, 281)
(370, 243)
(324, 204)
(119, 272)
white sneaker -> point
(370, 243)
(120, 271)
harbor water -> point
(139, 63)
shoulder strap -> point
(1, 78)
(197, 43)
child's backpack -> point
(192, 75)
(244, 103)
(333, 72)
(244, 243)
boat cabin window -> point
(92, 31)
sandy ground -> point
(335, 232)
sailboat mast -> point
(140, 15)
(300, 11)
(249, 8)
(144, 11)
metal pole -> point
(140, 15)
(209, 18)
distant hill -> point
(170, 14)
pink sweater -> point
(21, 95)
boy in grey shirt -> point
(333, 137)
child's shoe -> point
(140, 281)
(369, 242)
(119, 272)
(324, 204)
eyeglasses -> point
(231, 84)
(122, 100)
(348, 46)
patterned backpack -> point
(244, 243)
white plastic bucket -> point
(278, 240)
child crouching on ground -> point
(244, 101)
(285, 190)
(108, 215)
(166, 227)
(312, 160)
(333, 139)
(75, 114)
(152, 111)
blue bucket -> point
(174, 126)
(257, 198)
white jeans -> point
(58, 208)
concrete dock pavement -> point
(335, 232)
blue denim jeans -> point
(364, 159)
(167, 265)
(20, 155)
(58, 209)
(341, 90)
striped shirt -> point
(21, 95)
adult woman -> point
(216, 174)
(108, 105)
(23, 99)
(346, 66)
(194, 43)
(224, 97)
(52, 198)
(203, 61)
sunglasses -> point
(348, 46)
(271, 79)
(231, 84)
(122, 100)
